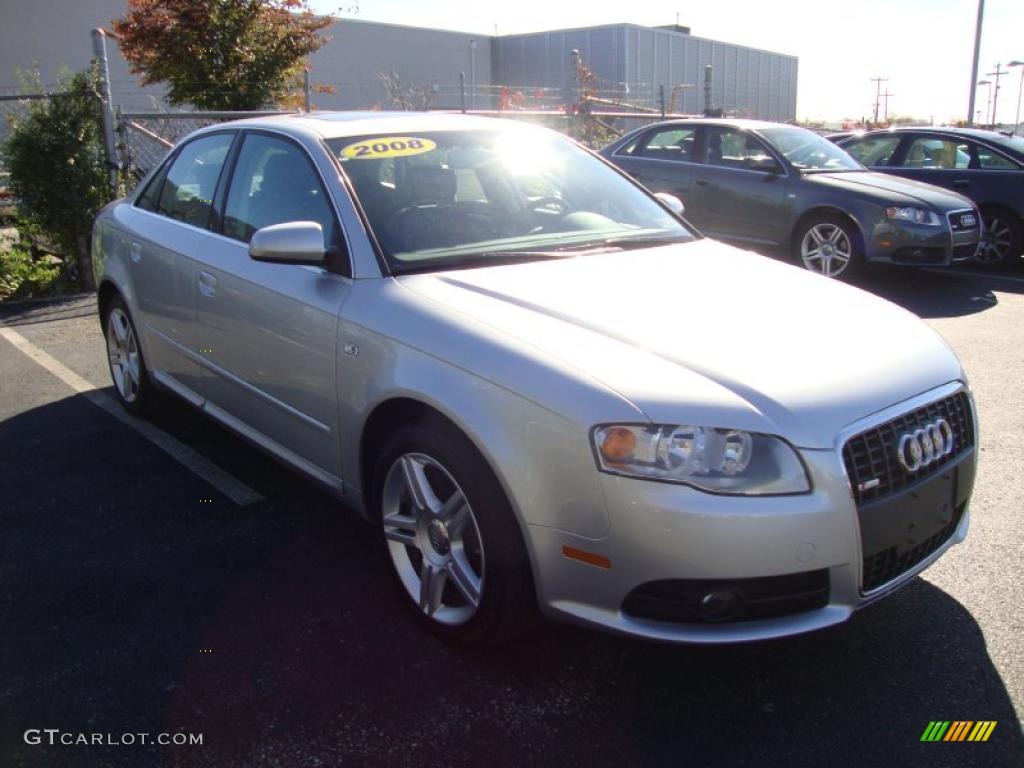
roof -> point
(330, 125)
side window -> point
(188, 191)
(273, 183)
(872, 150)
(731, 148)
(670, 144)
(991, 160)
(149, 200)
(926, 152)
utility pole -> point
(878, 93)
(886, 95)
(995, 96)
(974, 68)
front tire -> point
(1002, 242)
(828, 245)
(124, 357)
(451, 537)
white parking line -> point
(228, 485)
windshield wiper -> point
(479, 259)
(832, 170)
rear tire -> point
(829, 245)
(127, 365)
(450, 535)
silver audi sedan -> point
(538, 382)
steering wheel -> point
(550, 203)
(417, 227)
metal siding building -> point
(634, 61)
(629, 61)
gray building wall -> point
(53, 34)
(50, 34)
(633, 61)
(360, 51)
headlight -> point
(728, 461)
(916, 215)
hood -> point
(890, 188)
(704, 331)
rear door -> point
(733, 200)
(170, 221)
(662, 160)
(268, 332)
(945, 161)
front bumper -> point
(901, 242)
(675, 534)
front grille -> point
(964, 221)
(871, 455)
(884, 566)
(682, 601)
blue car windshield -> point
(443, 199)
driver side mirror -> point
(763, 163)
(672, 202)
(294, 242)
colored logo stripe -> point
(958, 730)
(982, 730)
(935, 730)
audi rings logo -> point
(925, 445)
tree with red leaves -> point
(220, 54)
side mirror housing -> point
(294, 242)
(763, 163)
(672, 202)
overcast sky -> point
(924, 47)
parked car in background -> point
(535, 380)
(986, 166)
(783, 187)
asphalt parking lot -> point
(136, 597)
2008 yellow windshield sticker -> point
(387, 146)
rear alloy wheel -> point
(127, 366)
(826, 245)
(1001, 242)
(451, 536)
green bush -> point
(58, 171)
(21, 274)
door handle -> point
(207, 284)
(961, 183)
(136, 252)
(703, 182)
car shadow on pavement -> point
(137, 599)
(938, 293)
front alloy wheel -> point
(453, 541)
(433, 539)
(826, 248)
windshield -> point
(445, 199)
(807, 151)
(1013, 142)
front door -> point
(733, 196)
(269, 331)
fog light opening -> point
(720, 605)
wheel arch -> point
(827, 210)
